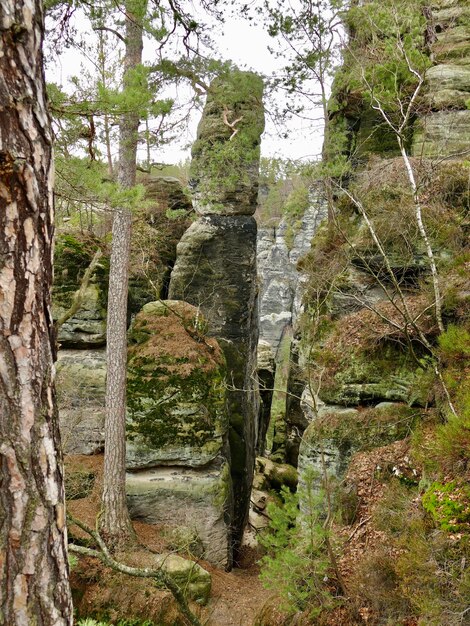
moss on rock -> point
(176, 388)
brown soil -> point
(237, 597)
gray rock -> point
(442, 134)
(165, 193)
(265, 356)
(216, 271)
(450, 18)
(87, 328)
(80, 384)
(448, 86)
(281, 284)
(198, 499)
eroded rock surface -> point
(80, 384)
(215, 268)
(177, 450)
(281, 282)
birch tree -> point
(34, 585)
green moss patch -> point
(176, 388)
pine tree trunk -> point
(115, 520)
(34, 586)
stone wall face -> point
(444, 131)
(280, 281)
(215, 268)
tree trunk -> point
(34, 585)
(115, 521)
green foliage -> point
(418, 572)
(381, 66)
(390, 37)
(449, 505)
(370, 428)
(278, 180)
(455, 342)
(85, 194)
(227, 151)
(73, 561)
(296, 564)
(453, 440)
(88, 621)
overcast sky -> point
(247, 46)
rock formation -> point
(281, 281)
(370, 378)
(177, 434)
(215, 268)
(443, 132)
(281, 291)
(82, 337)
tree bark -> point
(115, 521)
(34, 585)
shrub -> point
(455, 342)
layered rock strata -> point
(444, 130)
(281, 291)
(281, 282)
(177, 449)
(215, 268)
(371, 393)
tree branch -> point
(158, 574)
(80, 294)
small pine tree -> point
(297, 564)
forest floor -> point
(237, 597)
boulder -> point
(87, 327)
(197, 498)
(177, 446)
(175, 389)
(188, 575)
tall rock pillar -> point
(216, 257)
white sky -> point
(247, 46)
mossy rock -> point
(73, 255)
(224, 167)
(365, 429)
(276, 475)
(176, 388)
(368, 377)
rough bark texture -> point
(33, 539)
(115, 519)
